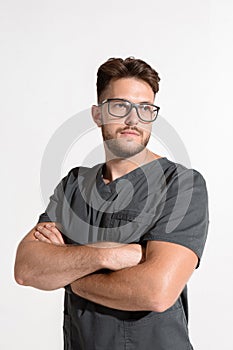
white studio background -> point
(50, 52)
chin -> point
(123, 148)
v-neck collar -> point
(139, 171)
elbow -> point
(21, 272)
(161, 301)
(19, 276)
(160, 306)
(26, 277)
(20, 281)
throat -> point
(116, 168)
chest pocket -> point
(128, 226)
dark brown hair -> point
(116, 68)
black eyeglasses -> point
(120, 108)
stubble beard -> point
(122, 148)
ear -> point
(96, 115)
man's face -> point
(127, 136)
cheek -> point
(109, 130)
(146, 133)
(145, 129)
(112, 122)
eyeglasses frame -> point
(133, 105)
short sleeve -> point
(182, 214)
(53, 210)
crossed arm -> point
(153, 283)
(43, 260)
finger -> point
(47, 233)
(40, 237)
(58, 235)
(55, 231)
(44, 230)
(48, 225)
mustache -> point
(129, 129)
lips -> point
(129, 132)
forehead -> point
(132, 89)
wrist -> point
(106, 254)
(105, 258)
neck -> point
(117, 167)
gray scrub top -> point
(161, 200)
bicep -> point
(172, 265)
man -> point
(122, 237)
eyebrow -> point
(151, 103)
(122, 98)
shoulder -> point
(79, 172)
(176, 172)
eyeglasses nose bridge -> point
(129, 115)
(134, 105)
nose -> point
(132, 118)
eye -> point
(119, 105)
(147, 108)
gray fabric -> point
(161, 200)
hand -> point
(48, 233)
(126, 255)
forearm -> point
(127, 289)
(153, 285)
(48, 266)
